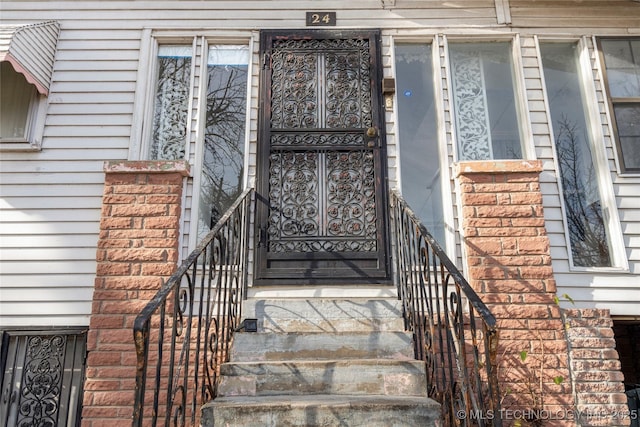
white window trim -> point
(445, 166)
(140, 140)
(619, 259)
(199, 148)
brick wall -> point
(137, 250)
(596, 369)
(509, 265)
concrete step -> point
(321, 410)
(325, 315)
(295, 377)
(255, 347)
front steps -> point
(323, 363)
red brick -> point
(101, 294)
(161, 222)
(137, 255)
(533, 245)
(537, 272)
(119, 223)
(139, 234)
(153, 269)
(507, 231)
(167, 199)
(118, 199)
(138, 210)
(103, 358)
(113, 269)
(120, 178)
(478, 199)
(121, 307)
(504, 211)
(133, 189)
(514, 286)
(132, 283)
(113, 398)
(483, 246)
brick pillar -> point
(509, 265)
(599, 388)
(137, 250)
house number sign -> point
(321, 19)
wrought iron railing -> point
(454, 331)
(183, 334)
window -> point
(622, 64)
(421, 176)
(583, 205)
(27, 55)
(42, 377)
(17, 97)
(486, 118)
(215, 105)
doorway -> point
(321, 186)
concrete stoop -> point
(323, 363)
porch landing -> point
(323, 362)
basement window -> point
(42, 377)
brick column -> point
(137, 250)
(509, 265)
(599, 388)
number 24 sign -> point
(320, 19)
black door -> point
(321, 182)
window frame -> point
(519, 93)
(597, 141)
(34, 128)
(434, 42)
(142, 128)
(611, 103)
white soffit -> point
(30, 49)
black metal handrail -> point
(454, 331)
(191, 321)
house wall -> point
(51, 200)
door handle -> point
(371, 133)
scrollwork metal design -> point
(317, 139)
(293, 190)
(351, 203)
(454, 331)
(183, 334)
(41, 381)
(297, 100)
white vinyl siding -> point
(50, 200)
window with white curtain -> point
(484, 98)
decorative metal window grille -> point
(42, 378)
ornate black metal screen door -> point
(321, 189)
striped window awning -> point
(30, 48)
